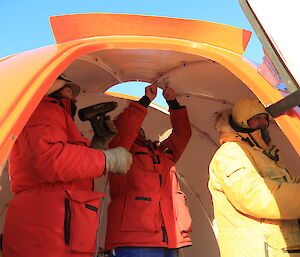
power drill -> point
(96, 114)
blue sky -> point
(24, 25)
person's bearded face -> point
(261, 122)
(265, 134)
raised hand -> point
(169, 94)
(151, 91)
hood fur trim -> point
(222, 122)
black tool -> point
(96, 114)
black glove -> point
(102, 142)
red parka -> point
(147, 206)
(51, 167)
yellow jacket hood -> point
(228, 134)
(245, 109)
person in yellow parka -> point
(255, 198)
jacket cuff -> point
(173, 105)
(145, 101)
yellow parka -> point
(256, 201)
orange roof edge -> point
(105, 24)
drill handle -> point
(99, 126)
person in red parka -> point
(147, 215)
(54, 212)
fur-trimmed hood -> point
(222, 122)
(228, 134)
(254, 138)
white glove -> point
(118, 160)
